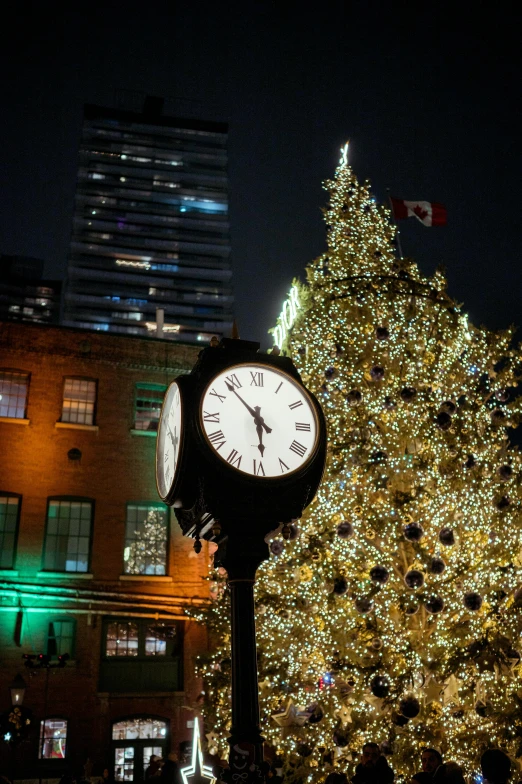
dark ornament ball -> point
(472, 601)
(339, 349)
(413, 532)
(481, 709)
(277, 547)
(411, 607)
(377, 372)
(399, 720)
(408, 394)
(380, 686)
(345, 530)
(448, 407)
(330, 372)
(363, 605)
(503, 502)
(379, 457)
(497, 416)
(446, 537)
(505, 472)
(382, 333)
(379, 575)
(409, 707)
(317, 713)
(443, 421)
(377, 254)
(414, 579)
(354, 397)
(389, 403)
(434, 605)
(303, 750)
(340, 586)
(301, 350)
(340, 739)
(502, 395)
(437, 566)
(470, 462)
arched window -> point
(135, 740)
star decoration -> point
(197, 772)
(7, 736)
(432, 691)
(451, 690)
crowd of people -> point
(374, 768)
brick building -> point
(91, 563)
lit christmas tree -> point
(392, 615)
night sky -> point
(431, 104)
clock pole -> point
(241, 559)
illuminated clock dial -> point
(169, 440)
(259, 420)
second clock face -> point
(259, 420)
(169, 440)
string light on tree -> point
(394, 615)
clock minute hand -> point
(258, 419)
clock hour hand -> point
(259, 431)
(257, 418)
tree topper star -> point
(197, 772)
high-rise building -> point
(24, 294)
(151, 228)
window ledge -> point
(76, 426)
(67, 575)
(150, 433)
(155, 578)
(15, 420)
(8, 573)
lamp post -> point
(17, 690)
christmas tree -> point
(392, 614)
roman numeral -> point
(210, 417)
(296, 404)
(302, 426)
(167, 474)
(298, 448)
(217, 439)
(233, 458)
(257, 379)
(279, 387)
(166, 457)
(258, 469)
(233, 379)
(283, 466)
(216, 394)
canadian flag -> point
(430, 213)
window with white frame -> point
(9, 515)
(53, 739)
(79, 400)
(68, 535)
(147, 408)
(146, 535)
(14, 385)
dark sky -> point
(430, 102)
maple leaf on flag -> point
(420, 213)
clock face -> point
(259, 420)
(169, 440)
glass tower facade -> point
(151, 228)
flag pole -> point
(399, 246)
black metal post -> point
(241, 560)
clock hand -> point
(257, 418)
(259, 430)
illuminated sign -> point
(286, 317)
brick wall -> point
(116, 467)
